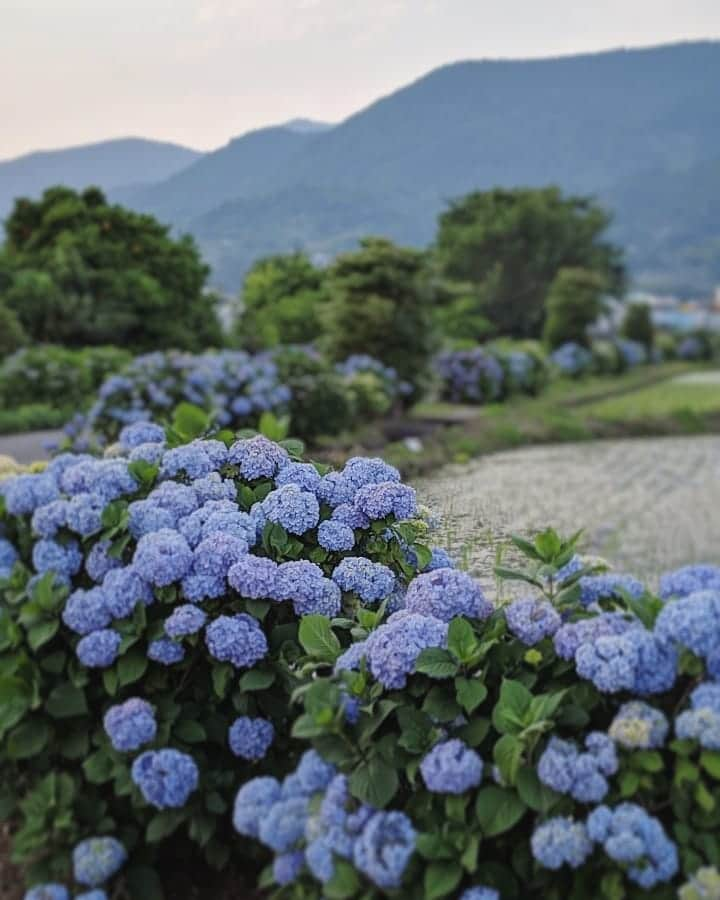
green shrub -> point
(607, 359)
(573, 303)
(12, 335)
(638, 326)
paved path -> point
(27, 448)
(646, 504)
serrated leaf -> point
(436, 663)
(65, 701)
(498, 810)
(470, 693)
(318, 639)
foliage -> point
(572, 359)
(80, 271)
(379, 306)
(573, 303)
(12, 335)
(282, 298)
(511, 244)
(638, 326)
(185, 593)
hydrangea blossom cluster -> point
(470, 376)
(561, 841)
(531, 619)
(97, 859)
(594, 588)
(702, 721)
(251, 738)
(451, 767)
(166, 778)
(445, 594)
(572, 359)
(582, 775)
(632, 353)
(130, 725)
(638, 726)
(688, 580)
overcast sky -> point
(202, 71)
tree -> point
(12, 335)
(637, 325)
(379, 304)
(77, 270)
(510, 244)
(282, 298)
(574, 302)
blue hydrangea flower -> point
(97, 859)
(179, 500)
(561, 841)
(197, 588)
(166, 652)
(251, 738)
(706, 696)
(49, 519)
(189, 459)
(99, 649)
(138, 433)
(481, 892)
(62, 559)
(566, 572)
(150, 453)
(692, 621)
(384, 847)
(320, 861)
(445, 594)
(84, 513)
(689, 580)
(369, 580)
(95, 894)
(99, 562)
(635, 839)
(361, 470)
(192, 526)
(656, 668)
(451, 767)
(283, 825)
(254, 577)
(311, 593)
(8, 557)
(335, 490)
(166, 778)
(123, 589)
(257, 457)
(387, 498)
(50, 891)
(335, 536)
(350, 515)
(287, 867)
(304, 475)
(296, 510)
(25, 493)
(570, 637)
(146, 516)
(217, 553)
(213, 487)
(131, 724)
(638, 726)
(594, 588)
(162, 557)
(393, 648)
(183, 620)
(566, 770)
(252, 804)
(313, 773)
(531, 620)
(609, 663)
(236, 639)
(86, 611)
(440, 559)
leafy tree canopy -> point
(79, 271)
(574, 302)
(510, 245)
(281, 301)
(637, 324)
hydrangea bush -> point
(216, 647)
(470, 376)
(572, 360)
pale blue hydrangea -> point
(445, 594)
(384, 848)
(179, 500)
(236, 639)
(257, 457)
(304, 475)
(198, 588)
(130, 724)
(393, 648)
(99, 562)
(86, 611)
(25, 493)
(638, 726)
(123, 589)
(440, 559)
(361, 470)
(283, 825)
(350, 515)
(608, 586)
(214, 487)
(84, 513)
(287, 867)
(111, 479)
(252, 804)
(190, 460)
(296, 510)
(8, 557)
(62, 559)
(378, 501)
(149, 452)
(311, 593)
(636, 840)
(251, 738)
(97, 859)
(320, 861)
(335, 490)
(369, 580)
(138, 433)
(183, 620)
(531, 619)
(166, 652)
(351, 658)
(145, 517)
(571, 636)
(689, 580)
(49, 891)
(692, 621)
(99, 649)
(566, 572)
(49, 519)
(216, 553)
(166, 778)
(254, 577)
(582, 775)
(561, 841)
(94, 894)
(609, 662)
(706, 695)
(335, 536)
(480, 892)
(451, 767)
(162, 557)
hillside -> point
(110, 164)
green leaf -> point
(163, 824)
(190, 421)
(40, 634)
(318, 639)
(507, 754)
(533, 792)
(512, 706)
(143, 472)
(98, 767)
(256, 680)
(374, 782)
(66, 701)
(344, 883)
(525, 547)
(475, 731)
(28, 739)
(110, 681)
(498, 810)
(415, 729)
(649, 761)
(131, 667)
(189, 731)
(711, 763)
(548, 544)
(470, 693)
(221, 677)
(436, 663)
(462, 642)
(15, 701)
(441, 879)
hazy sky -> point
(201, 71)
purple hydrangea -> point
(445, 594)
(166, 778)
(531, 620)
(131, 724)
(251, 738)
(236, 639)
(369, 580)
(451, 767)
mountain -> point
(110, 164)
(638, 128)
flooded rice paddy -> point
(646, 504)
